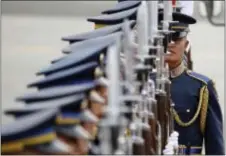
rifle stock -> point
(153, 125)
(138, 149)
(147, 135)
(169, 108)
(161, 102)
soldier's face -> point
(175, 52)
(83, 146)
(103, 92)
(97, 109)
(91, 128)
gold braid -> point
(203, 112)
(186, 124)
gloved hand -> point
(172, 145)
(169, 149)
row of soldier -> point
(110, 94)
(56, 90)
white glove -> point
(169, 149)
(172, 145)
(174, 134)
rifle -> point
(110, 126)
(148, 131)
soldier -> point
(74, 74)
(33, 134)
(192, 135)
(86, 77)
(74, 124)
(197, 111)
(80, 53)
(185, 7)
(94, 101)
(82, 74)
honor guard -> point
(33, 134)
(71, 90)
(82, 88)
(197, 111)
(185, 7)
(74, 124)
(139, 144)
(90, 89)
(81, 77)
(188, 146)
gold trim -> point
(196, 147)
(18, 145)
(186, 124)
(184, 146)
(14, 146)
(39, 139)
(204, 107)
(192, 147)
(178, 27)
(97, 26)
(63, 121)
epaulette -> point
(199, 77)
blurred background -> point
(31, 37)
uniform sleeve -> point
(214, 141)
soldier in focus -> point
(197, 110)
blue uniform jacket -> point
(197, 114)
(190, 97)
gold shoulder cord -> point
(202, 107)
(203, 113)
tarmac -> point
(30, 42)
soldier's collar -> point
(177, 71)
